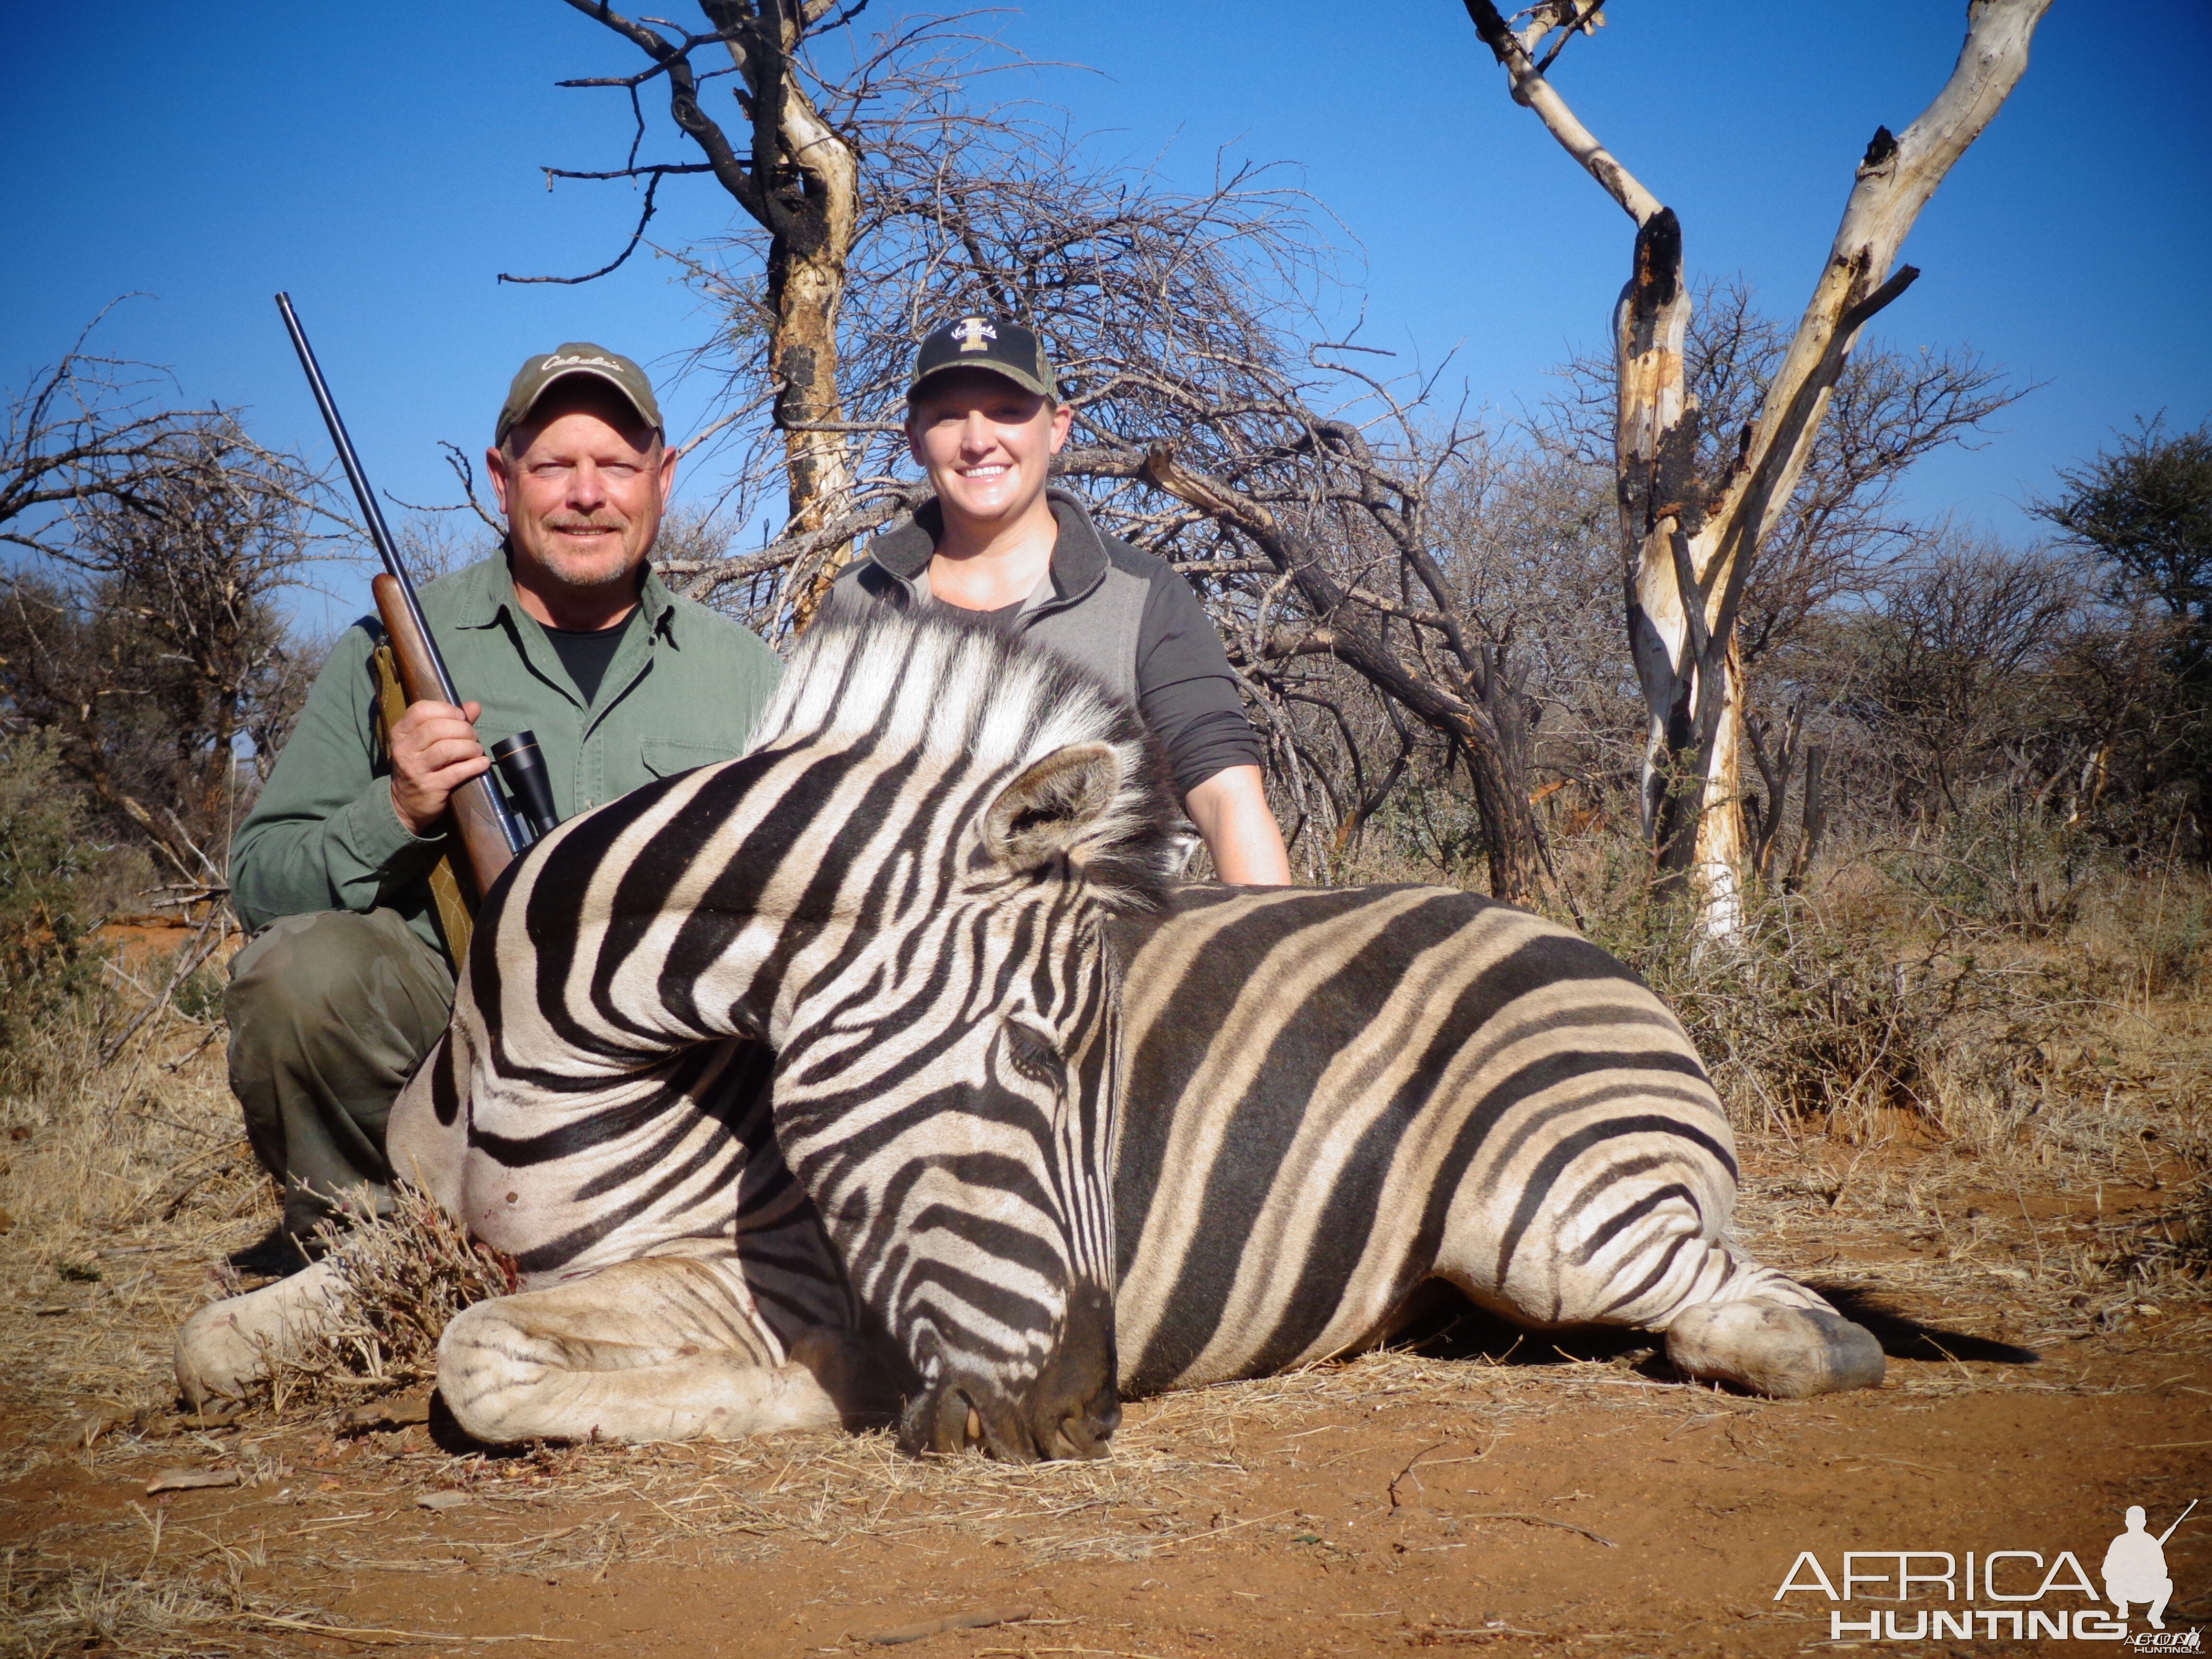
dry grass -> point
(2055, 1022)
(2007, 1135)
(402, 1277)
(152, 1611)
(126, 1187)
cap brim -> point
(580, 372)
(1028, 383)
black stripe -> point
(1570, 1148)
(1325, 1023)
(1665, 1265)
(1614, 1224)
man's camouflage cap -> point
(537, 376)
(987, 343)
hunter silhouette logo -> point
(972, 332)
(2135, 1567)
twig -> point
(1408, 1469)
(188, 961)
(1543, 1520)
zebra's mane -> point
(929, 682)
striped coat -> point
(1335, 1096)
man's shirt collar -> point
(487, 588)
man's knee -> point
(328, 1014)
(302, 967)
(331, 971)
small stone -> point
(442, 1500)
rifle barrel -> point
(2176, 1527)
(465, 805)
(378, 531)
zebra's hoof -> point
(1784, 1352)
(227, 1346)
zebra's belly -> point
(1334, 1095)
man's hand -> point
(434, 751)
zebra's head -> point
(964, 813)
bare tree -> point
(797, 177)
(1690, 541)
(150, 646)
(1952, 660)
(87, 431)
(1842, 524)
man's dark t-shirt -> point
(586, 654)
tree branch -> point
(1532, 91)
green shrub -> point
(47, 963)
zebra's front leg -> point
(227, 1347)
(661, 1348)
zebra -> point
(882, 1065)
(802, 1058)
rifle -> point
(491, 832)
(2177, 1520)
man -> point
(568, 632)
(983, 422)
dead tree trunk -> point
(1688, 543)
(799, 182)
(811, 221)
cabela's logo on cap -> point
(972, 332)
(557, 360)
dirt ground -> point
(1466, 1494)
(1480, 1490)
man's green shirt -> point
(684, 689)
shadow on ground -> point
(1446, 1326)
(1903, 1337)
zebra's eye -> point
(1032, 1055)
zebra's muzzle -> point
(1070, 1409)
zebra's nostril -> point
(1078, 1437)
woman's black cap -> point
(991, 344)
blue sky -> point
(383, 165)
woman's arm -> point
(1231, 811)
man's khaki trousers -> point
(330, 1014)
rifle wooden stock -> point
(473, 808)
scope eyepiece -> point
(529, 786)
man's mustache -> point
(589, 522)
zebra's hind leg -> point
(1656, 1259)
(660, 1348)
(1761, 1330)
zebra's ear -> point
(1053, 808)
